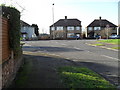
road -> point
(102, 61)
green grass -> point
(81, 77)
(99, 44)
(115, 47)
(112, 41)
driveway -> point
(102, 61)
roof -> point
(101, 23)
(67, 22)
(24, 23)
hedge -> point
(13, 16)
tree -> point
(36, 29)
(58, 34)
(106, 32)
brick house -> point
(100, 27)
(65, 28)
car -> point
(74, 37)
(114, 37)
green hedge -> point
(13, 16)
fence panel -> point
(5, 40)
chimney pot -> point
(65, 17)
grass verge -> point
(99, 44)
(82, 77)
(116, 48)
(111, 41)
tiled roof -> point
(67, 22)
(101, 23)
(24, 23)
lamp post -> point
(107, 30)
(53, 20)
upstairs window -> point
(90, 28)
(52, 28)
(70, 28)
(59, 28)
(97, 28)
(77, 28)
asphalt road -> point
(102, 61)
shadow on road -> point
(49, 49)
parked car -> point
(74, 37)
(114, 37)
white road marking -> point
(56, 42)
(76, 48)
(67, 58)
(111, 57)
(63, 44)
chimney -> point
(100, 17)
(65, 17)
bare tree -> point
(106, 32)
(58, 34)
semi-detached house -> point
(66, 28)
(101, 27)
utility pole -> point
(53, 22)
(107, 30)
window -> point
(52, 28)
(59, 28)
(77, 28)
(96, 28)
(70, 28)
(70, 34)
(89, 28)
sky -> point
(40, 11)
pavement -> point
(42, 71)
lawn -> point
(112, 41)
(99, 44)
(82, 77)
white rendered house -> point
(27, 31)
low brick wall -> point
(9, 70)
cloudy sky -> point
(40, 11)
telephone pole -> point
(53, 21)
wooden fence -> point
(5, 40)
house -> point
(65, 28)
(118, 32)
(101, 27)
(27, 31)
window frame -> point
(97, 28)
(77, 28)
(70, 28)
(59, 28)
